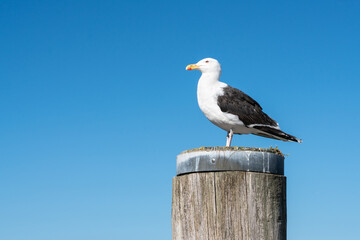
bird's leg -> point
(229, 137)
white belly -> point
(207, 95)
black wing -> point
(247, 109)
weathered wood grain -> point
(229, 205)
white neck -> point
(209, 78)
(209, 88)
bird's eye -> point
(207, 61)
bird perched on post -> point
(230, 108)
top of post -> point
(207, 159)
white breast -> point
(207, 94)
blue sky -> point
(96, 104)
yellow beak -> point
(192, 67)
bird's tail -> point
(274, 133)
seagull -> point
(231, 109)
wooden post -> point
(229, 193)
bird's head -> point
(206, 65)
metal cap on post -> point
(230, 159)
